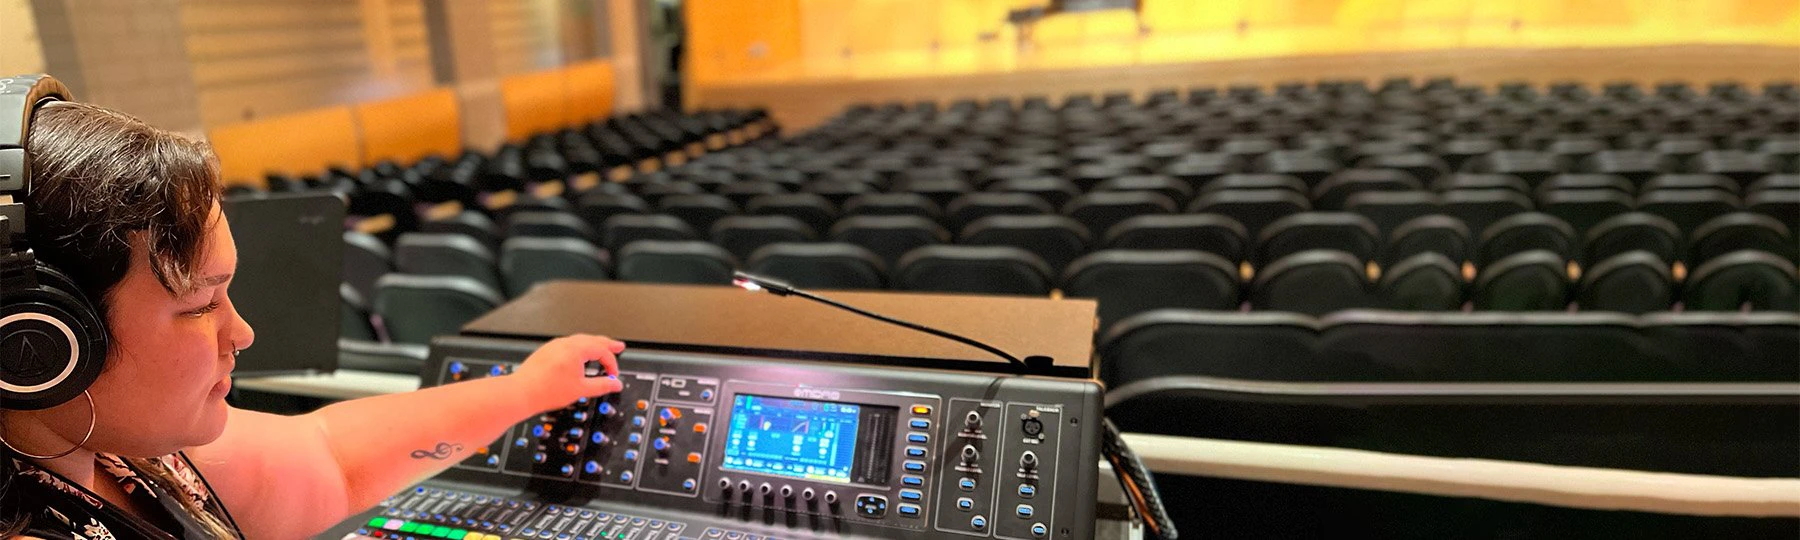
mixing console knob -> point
(599, 438)
(669, 415)
(970, 455)
(973, 421)
(1029, 461)
(807, 494)
(661, 444)
(576, 433)
(606, 409)
(580, 416)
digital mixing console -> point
(712, 446)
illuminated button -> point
(914, 481)
(1027, 491)
(538, 457)
(734, 535)
(643, 405)
(1039, 530)
(1024, 511)
(978, 523)
(915, 451)
(921, 410)
(714, 532)
(914, 466)
(967, 484)
(687, 485)
(637, 521)
(911, 495)
(699, 428)
(656, 524)
(920, 423)
(965, 504)
(706, 395)
(909, 510)
(918, 438)
(592, 467)
(587, 514)
(693, 457)
(567, 469)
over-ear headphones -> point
(52, 340)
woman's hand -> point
(556, 374)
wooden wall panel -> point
(534, 103)
(297, 144)
(590, 90)
(408, 128)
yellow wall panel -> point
(533, 103)
(411, 127)
(590, 88)
(298, 144)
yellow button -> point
(921, 409)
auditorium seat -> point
(825, 265)
(1333, 192)
(1523, 232)
(1479, 208)
(811, 209)
(366, 259)
(1267, 346)
(973, 269)
(1389, 209)
(1337, 231)
(1312, 282)
(893, 204)
(838, 191)
(1177, 191)
(624, 229)
(743, 235)
(653, 192)
(699, 212)
(1099, 211)
(1440, 234)
(415, 308)
(1479, 182)
(528, 260)
(1485, 347)
(1688, 208)
(1727, 346)
(675, 261)
(445, 255)
(1584, 208)
(1526, 281)
(1207, 233)
(1255, 181)
(740, 193)
(548, 225)
(1422, 282)
(1781, 204)
(1634, 282)
(470, 223)
(597, 206)
(1739, 231)
(1252, 208)
(888, 236)
(353, 315)
(1753, 280)
(971, 207)
(1128, 282)
(1055, 191)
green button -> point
(410, 527)
(458, 534)
(377, 522)
(440, 532)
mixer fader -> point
(727, 447)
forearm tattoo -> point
(443, 451)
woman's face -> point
(165, 381)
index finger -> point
(598, 348)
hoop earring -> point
(92, 418)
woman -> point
(131, 214)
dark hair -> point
(99, 180)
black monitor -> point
(290, 260)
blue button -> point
(634, 438)
(528, 531)
(911, 495)
(537, 430)
(631, 455)
(706, 395)
(496, 371)
(637, 421)
(576, 433)
(606, 408)
(1027, 490)
(915, 451)
(592, 467)
(598, 438)
(456, 368)
(1025, 510)
(915, 466)
(538, 457)
(581, 416)
(656, 524)
(562, 536)
(912, 480)
(920, 423)
(567, 469)
(1038, 529)
(637, 521)
(917, 438)
(625, 476)
(734, 535)
(675, 527)
(520, 442)
(909, 510)
(967, 484)
(546, 535)
(493, 460)
(978, 523)
(965, 504)
(687, 485)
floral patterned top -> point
(69, 511)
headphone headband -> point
(23, 94)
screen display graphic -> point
(814, 440)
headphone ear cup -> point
(53, 343)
